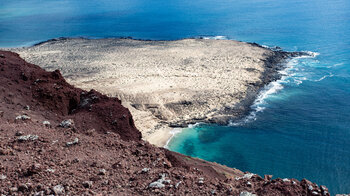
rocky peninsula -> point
(165, 84)
(56, 139)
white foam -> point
(324, 77)
(335, 65)
(219, 37)
(289, 75)
(274, 48)
(312, 54)
(176, 131)
(173, 132)
(258, 105)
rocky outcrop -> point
(91, 147)
(29, 85)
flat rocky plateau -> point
(165, 83)
(56, 139)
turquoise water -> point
(300, 127)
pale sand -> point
(163, 83)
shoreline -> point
(264, 92)
(192, 81)
(43, 41)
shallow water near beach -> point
(300, 125)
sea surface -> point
(299, 127)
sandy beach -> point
(165, 84)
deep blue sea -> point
(299, 127)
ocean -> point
(299, 126)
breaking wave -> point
(290, 75)
(173, 132)
(218, 37)
(176, 131)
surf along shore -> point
(165, 84)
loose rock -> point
(47, 123)
(245, 193)
(51, 170)
(23, 188)
(160, 183)
(2, 177)
(145, 170)
(102, 172)
(310, 187)
(34, 169)
(246, 176)
(177, 184)
(23, 117)
(74, 142)
(40, 193)
(27, 138)
(13, 189)
(67, 123)
(201, 181)
(58, 190)
(19, 133)
(87, 184)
